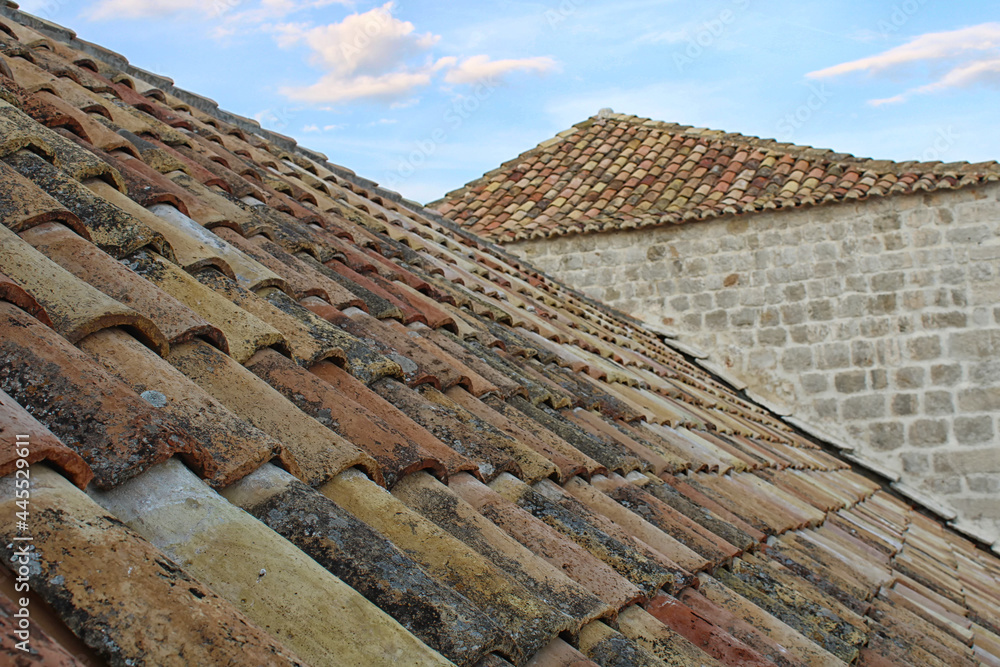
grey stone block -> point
(911, 377)
(820, 310)
(744, 317)
(905, 405)
(882, 304)
(979, 400)
(975, 344)
(985, 483)
(942, 485)
(924, 348)
(974, 430)
(795, 292)
(985, 372)
(774, 337)
(887, 282)
(862, 353)
(815, 383)
(928, 433)
(871, 406)
(968, 462)
(970, 234)
(938, 403)
(886, 436)
(915, 463)
(878, 379)
(953, 319)
(946, 375)
(851, 382)
(717, 320)
(834, 355)
(770, 316)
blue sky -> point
(424, 96)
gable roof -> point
(277, 417)
(614, 171)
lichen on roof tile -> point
(729, 164)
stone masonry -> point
(878, 320)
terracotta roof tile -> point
(11, 291)
(39, 443)
(528, 619)
(693, 162)
(276, 574)
(177, 322)
(166, 608)
(228, 447)
(75, 308)
(369, 563)
(310, 451)
(115, 431)
(109, 228)
(23, 207)
(449, 511)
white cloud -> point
(405, 104)
(931, 46)
(971, 57)
(375, 56)
(985, 71)
(333, 88)
(480, 68)
(366, 56)
(233, 12)
(363, 44)
(371, 55)
(134, 9)
(311, 128)
(895, 99)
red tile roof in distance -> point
(278, 416)
(614, 171)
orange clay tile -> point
(228, 447)
(449, 511)
(483, 205)
(167, 612)
(76, 308)
(38, 443)
(528, 619)
(452, 424)
(109, 228)
(22, 206)
(410, 447)
(81, 258)
(309, 451)
(116, 432)
(41, 649)
(11, 291)
(370, 563)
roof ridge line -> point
(752, 140)
(936, 166)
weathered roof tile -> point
(156, 612)
(732, 167)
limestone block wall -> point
(879, 321)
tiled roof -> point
(277, 418)
(614, 172)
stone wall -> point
(878, 321)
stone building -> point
(855, 294)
